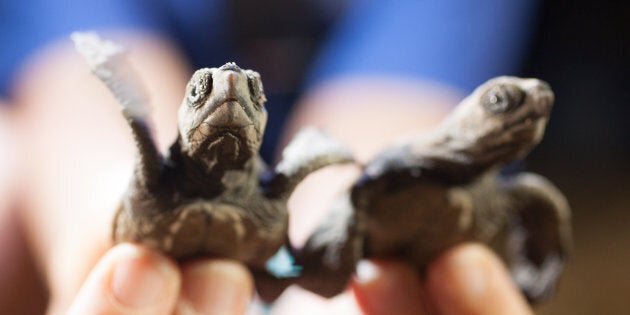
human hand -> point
(131, 279)
(78, 155)
(468, 279)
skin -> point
(18, 278)
(91, 187)
(462, 280)
(131, 279)
(50, 117)
(448, 177)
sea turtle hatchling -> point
(429, 192)
(211, 195)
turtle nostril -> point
(230, 66)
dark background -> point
(582, 48)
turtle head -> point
(505, 117)
(222, 117)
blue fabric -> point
(460, 43)
(29, 24)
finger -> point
(129, 279)
(470, 279)
(216, 286)
(388, 288)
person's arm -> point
(386, 61)
(21, 290)
(367, 114)
(79, 152)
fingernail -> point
(387, 287)
(217, 287)
(141, 279)
(367, 271)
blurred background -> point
(582, 48)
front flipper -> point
(332, 252)
(309, 151)
(268, 286)
(107, 61)
(541, 235)
(325, 264)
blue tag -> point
(282, 264)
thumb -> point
(388, 287)
(470, 279)
(129, 279)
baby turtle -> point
(432, 191)
(211, 195)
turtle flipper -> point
(327, 261)
(332, 252)
(107, 61)
(310, 150)
(268, 286)
(540, 235)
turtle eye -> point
(256, 91)
(199, 87)
(502, 98)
